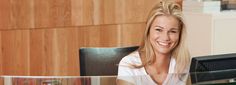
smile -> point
(163, 44)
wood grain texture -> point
(27, 14)
(82, 12)
(101, 36)
(44, 52)
(1, 57)
(52, 13)
(4, 14)
(15, 52)
(42, 37)
(16, 14)
(132, 34)
(54, 52)
(94, 12)
(21, 14)
(135, 11)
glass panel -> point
(213, 78)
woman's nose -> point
(165, 36)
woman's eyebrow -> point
(159, 26)
(174, 29)
(170, 28)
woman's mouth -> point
(165, 44)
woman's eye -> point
(159, 30)
(173, 31)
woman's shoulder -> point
(132, 58)
(127, 65)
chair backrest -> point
(100, 61)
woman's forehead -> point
(166, 22)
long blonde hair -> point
(180, 53)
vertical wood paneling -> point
(82, 12)
(5, 14)
(99, 36)
(68, 63)
(22, 14)
(134, 11)
(56, 52)
(132, 34)
(110, 35)
(15, 52)
(42, 13)
(38, 53)
(1, 57)
(52, 13)
(109, 12)
(42, 37)
(92, 37)
(105, 12)
(98, 12)
(72, 63)
(81, 37)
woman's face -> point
(164, 34)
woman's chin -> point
(164, 51)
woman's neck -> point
(162, 62)
(159, 69)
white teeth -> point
(164, 44)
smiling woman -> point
(164, 34)
(163, 50)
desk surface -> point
(226, 77)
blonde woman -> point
(163, 49)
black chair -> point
(98, 61)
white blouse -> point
(139, 76)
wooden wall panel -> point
(16, 14)
(110, 35)
(43, 52)
(107, 13)
(1, 60)
(101, 36)
(38, 53)
(52, 13)
(4, 14)
(135, 11)
(27, 14)
(42, 37)
(94, 12)
(21, 14)
(132, 34)
(68, 62)
(15, 52)
(82, 12)
(54, 52)
(1, 57)
(59, 13)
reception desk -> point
(226, 77)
